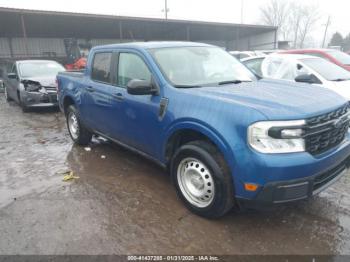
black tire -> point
(223, 198)
(82, 136)
(25, 109)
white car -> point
(307, 69)
(245, 54)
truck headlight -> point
(277, 136)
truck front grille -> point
(326, 131)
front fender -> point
(211, 133)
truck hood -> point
(277, 99)
(48, 81)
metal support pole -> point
(188, 33)
(242, 11)
(24, 31)
(276, 42)
(120, 31)
(9, 40)
(166, 9)
(325, 31)
(237, 38)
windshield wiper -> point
(232, 82)
(187, 86)
(341, 79)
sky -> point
(203, 10)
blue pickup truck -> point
(226, 137)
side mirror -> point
(141, 87)
(12, 76)
(310, 79)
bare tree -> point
(275, 13)
(295, 20)
(309, 17)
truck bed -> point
(75, 73)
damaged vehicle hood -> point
(46, 81)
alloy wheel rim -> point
(196, 182)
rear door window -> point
(101, 67)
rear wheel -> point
(79, 134)
(202, 179)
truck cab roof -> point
(151, 45)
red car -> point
(335, 56)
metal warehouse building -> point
(34, 34)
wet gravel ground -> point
(124, 204)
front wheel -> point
(202, 179)
(79, 134)
(22, 104)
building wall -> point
(31, 47)
(263, 41)
(5, 51)
(43, 47)
(17, 48)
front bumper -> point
(274, 193)
(39, 99)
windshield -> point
(328, 70)
(200, 66)
(340, 56)
(35, 69)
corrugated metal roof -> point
(77, 14)
(42, 32)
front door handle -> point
(90, 89)
(118, 96)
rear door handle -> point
(118, 96)
(90, 89)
